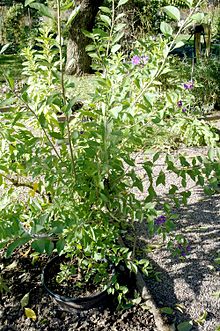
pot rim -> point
(73, 302)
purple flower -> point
(135, 60)
(188, 248)
(160, 220)
(183, 250)
(188, 86)
(184, 110)
(179, 103)
(144, 59)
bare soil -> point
(22, 276)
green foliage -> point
(19, 27)
(83, 190)
(206, 74)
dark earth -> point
(21, 274)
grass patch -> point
(84, 86)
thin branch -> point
(63, 87)
(112, 27)
(29, 185)
(43, 129)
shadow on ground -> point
(192, 281)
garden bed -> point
(23, 276)
(188, 287)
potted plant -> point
(80, 173)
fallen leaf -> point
(11, 266)
(179, 307)
(30, 314)
(24, 301)
(216, 294)
(202, 318)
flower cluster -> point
(138, 60)
(160, 220)
(180, 104)
(183, 249)
(189, 85)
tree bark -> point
(78, 62)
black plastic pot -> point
(98, 299)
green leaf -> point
(39, 245)
(211, 154)
(115, 111)
(60, 245)
(152, 194)
(172, 12)
(161, 178)
(3, 49)
(185, 326)
(42, 120)
(179, 44)
(56, 135)
(132, 266)
(25, 97)
(189, 3)
(43, 10)
(106, 19)
(138, 183)
(167, 310)
(49, 246)
(115, 48)
(105, 9)
(122, 2)
(19, 242)
(87, 33)
(166, 29)
(73, 15)
(10, 81)
(197, 18)
(119, 27)
(173, 189)
(25, 300)
(28, 2)
(156, 157)
(117, 37)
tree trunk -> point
(78, 62)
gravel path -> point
(190, 283)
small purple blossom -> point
(160, 220)
(179, 103)
(135, 60)
(183, 250)
(188, 86)
(188, 248)
(184, 110)
(144, 59)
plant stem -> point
(17, 183)
(112, 26)
(63, 87)
(45, 132)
